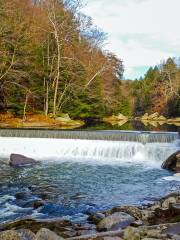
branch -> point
(95, 75)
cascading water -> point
(148, 148)
(83, 171)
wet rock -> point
(9, 235)
(115, 221)
(131, 210)
(34, 204)
(55, 225)
(46, 234)
(96, 217)
(173, 162)
(17, 160)
(22, 195)
(26, 234)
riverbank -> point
(160, 221)
(7, 120)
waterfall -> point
(109, 135)
(147, 148)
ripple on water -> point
(72, 190)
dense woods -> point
(52, 61)
(159, 90)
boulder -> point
(115, 221)
(9, 235)
(17, 160)
(173, 162)
(96, 217)
(131, 234)
(26, 234)
(56, 225)
(22, 234)
(46, 234)
(154, 116)
(162, 118)
(120, 116)
(145, 116)
(63, 117)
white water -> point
(88, 151)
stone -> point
(120, 116)
(145, 116)
(112, 238)
(162, 118)
(151, 239)
(22, 195)
(96, 217)
(131, 234)
(131, 210)
(10, 235)
(169, 201)
(46, 234)
(137, 223)
(173, 229)
(26, 234)
(154, 116)
(148, 216)
(55, 225)
(115, 221)
(173, 162)
(17, 160)
(34, 204)
(99, 236)
(176, 237)
(155, 234)
(176, 208)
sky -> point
(140, 32)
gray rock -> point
(131, 234)
(168, 202)
(112, 238)
(96, 217)
(115, 221)
(137, 223)
(176, 208)
(173, 162)
(17, 160)
(26, 234)
(9, 235)
(46, 234)
(99, 236)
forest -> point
(159, 90)
(52, 61)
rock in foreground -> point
(17, 160)
(115, 221)
(173, 162)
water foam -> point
(88, 151)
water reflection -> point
(133, 125)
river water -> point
(80, 172)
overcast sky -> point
(141, 32)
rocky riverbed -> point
(160, 220)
